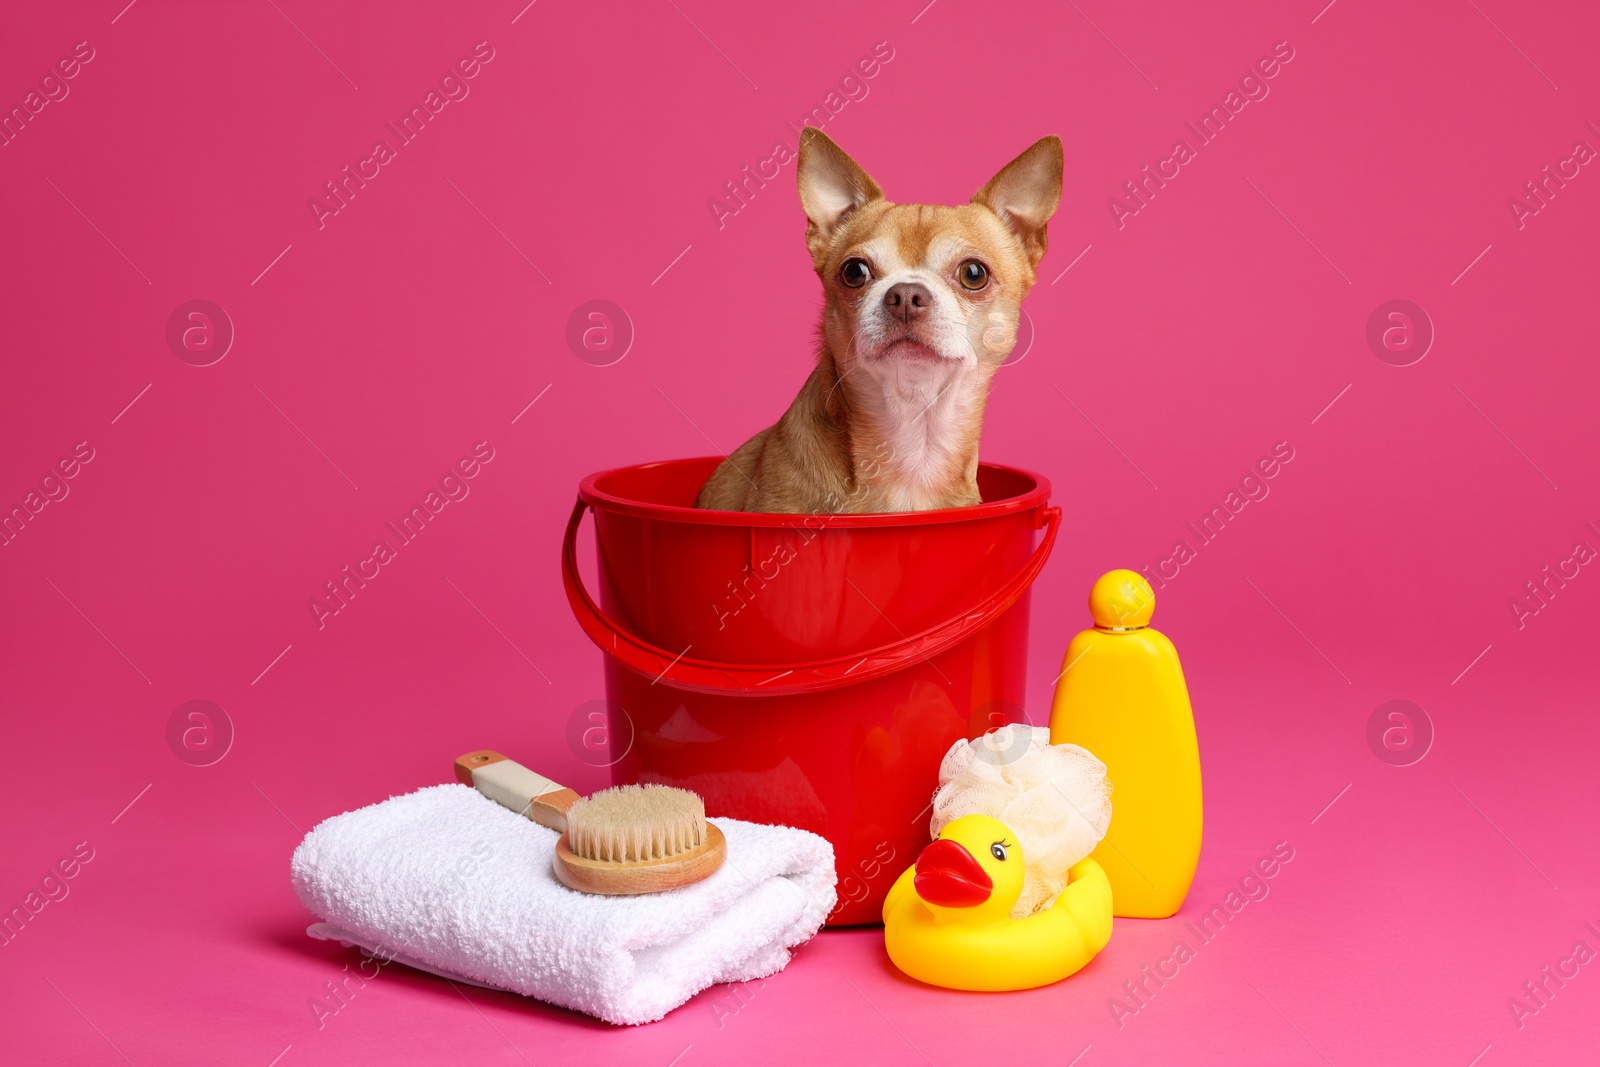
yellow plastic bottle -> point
(1122, 697)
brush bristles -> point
(636, 823)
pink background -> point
(1224, 317)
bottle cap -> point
(1121, 600)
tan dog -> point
(921, 309)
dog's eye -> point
(972, 275)
(855, 273)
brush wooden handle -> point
(511, 785)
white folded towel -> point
(448, 881)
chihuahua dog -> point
(920, 309)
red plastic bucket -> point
(809, 670)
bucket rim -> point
(589, 492)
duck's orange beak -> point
(948, 875)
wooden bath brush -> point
(621, 841)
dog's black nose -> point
(907, 300)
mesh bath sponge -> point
(1054, 797)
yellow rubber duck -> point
(947, 920)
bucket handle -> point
(706, 676)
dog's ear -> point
(1025, 194)
(832, 188)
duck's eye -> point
(855, 273)
(972, 275)
(998, 851)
